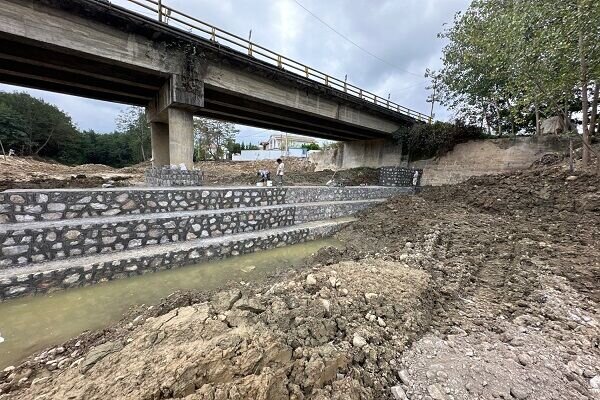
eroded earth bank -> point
(487, 289)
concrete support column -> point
(160, 144)
(181, 137)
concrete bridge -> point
(178, 66)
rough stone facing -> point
(73, 204)
(41, 241)
(87, 274)
(398, 176)
(173, 177)
(78, 225)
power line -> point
(354, 43)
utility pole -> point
(433, 99)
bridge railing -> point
(175, 18)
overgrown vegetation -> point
(510, 63)
(430, 140)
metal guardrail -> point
(168, 15)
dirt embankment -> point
(29, 173)
(487, 289)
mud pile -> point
(539, 191)
(332, 333)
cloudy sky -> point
(400, 35)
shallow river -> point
(31, 323)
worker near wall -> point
(280, 172)
(415, 181)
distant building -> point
(283, 142)
(279, 145)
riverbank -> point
(487, 289)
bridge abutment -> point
(359, 153)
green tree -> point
(212, 138)
(311, 146)
(12, 131)
(132, 122)
(43, 129)
(509, 60)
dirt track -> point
(487, 289)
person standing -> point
(280, 172)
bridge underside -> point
(25, 63)
(90, 49)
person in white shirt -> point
(415, 178)
(279, 174)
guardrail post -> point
(326, 80)
(279, 64)
(360, 93)
(250, 49)
(213, 34)
(160, 11)
(306, 70)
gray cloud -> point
(401, 32)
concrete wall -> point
(482, 157)
(486, 157)
(359, 153)
(252, 155)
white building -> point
(287, 141)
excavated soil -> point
(30, 173)
(488, 289)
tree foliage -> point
(33, 127)
(510, 61)
(212, 138)
(311, 146)
(132, 122)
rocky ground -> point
(488, 289)
(30, 173)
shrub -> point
(431, 140)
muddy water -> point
(32, 323)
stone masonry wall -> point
(24, 206)
(43, 242)
(51, 205)
(167, 176)
(90, 273)
(398, 176)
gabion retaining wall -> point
(51, 205)
(40, 242)
(398, 176)
(90, 273)
(167, 176)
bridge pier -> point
(160, 144)
(173, 142)
(171, 117)
(181, 137)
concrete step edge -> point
(26, 271)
